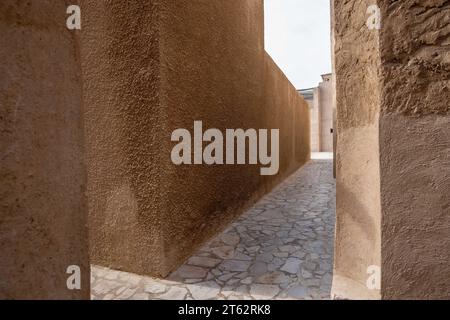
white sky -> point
(297, 36)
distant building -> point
(320, 100)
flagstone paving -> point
(282, 248)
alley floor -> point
(282, 248)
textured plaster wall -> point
(126, 133)
(415, 149)
(358, 217)
(393, 149)
(43, 212)
(151, 67)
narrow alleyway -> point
(282, 248)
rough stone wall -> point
(358, 218)
(415, 149)
(43, 215)
(189, 61)
(393, 149)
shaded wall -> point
(189, 61)
(415, 150)
(43, 215)
(126, 133)
(358, 216)
(393, 205)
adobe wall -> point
(358, 217)
(393, 90)
(189, 61)
(43, 214)
(126, 133)
(415, 149)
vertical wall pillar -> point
(358, 211)
(126, 134)
(415, 149)
(43, 213)
(315, 122)
(326, 113)
(393, 161)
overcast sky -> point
(297, 36)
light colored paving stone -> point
(230, 239)
(126, 294)
(155, 288)
(204, 291)
(292, 265)
(298, 292)
(281, 248)
(227, 277)
(174, 293)
(132, 279)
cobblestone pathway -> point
(282, 248)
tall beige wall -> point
(393, 163)
(152, 67)
(358, 216)
(325, 97)
(312, 99)
(321, 105)
(43, 215)
(315, 122)
(126, 134)
(415, 149)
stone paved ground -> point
(282, 248)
